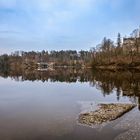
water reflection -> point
(125, 83)
(31, 109)
(59, 74)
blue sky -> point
(64, 24)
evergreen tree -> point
(119, 40)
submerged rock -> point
(105, 112)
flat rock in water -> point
(105, 112)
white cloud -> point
(47, 16)
(54, 13)
(5, 50)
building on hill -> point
(131, 45)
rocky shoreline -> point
(104, 113)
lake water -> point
(37, 105)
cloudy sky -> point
(64, 24)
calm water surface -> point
(45, 105)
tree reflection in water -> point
(125, 83)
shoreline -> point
(115, 67)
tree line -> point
(123, 53)
(22, 59)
